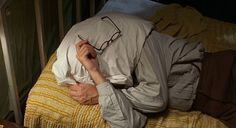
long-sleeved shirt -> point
(157, 76)
(166, 68)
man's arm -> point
(121, 108)
(115, 107)
(150, 95)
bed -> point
(49, 105)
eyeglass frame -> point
(108, 42)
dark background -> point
(219, 9)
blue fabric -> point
(141, 8)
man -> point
(153, 70)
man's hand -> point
(85, 94)
(88, 57)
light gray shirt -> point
(167, 74)
(166, 68)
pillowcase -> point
(141, 8)
(116, 65)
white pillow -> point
(142, 8)
(116, 65)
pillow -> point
(115, 64)
(141, 8)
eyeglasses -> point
(105, 44)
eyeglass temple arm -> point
(111, 21)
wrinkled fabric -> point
(154, 60)
(115, 64)
(188, 23)
(159, 82)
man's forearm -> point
(117, 109)
(97, 77)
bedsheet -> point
(188, 23)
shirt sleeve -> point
(150, 94)
(122, 108)
(117, 110)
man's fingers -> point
(81, 100)
(84, 50)
(73, 93)
(80, 44)
(87, 51)
(74, 87)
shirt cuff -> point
(104, 89)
